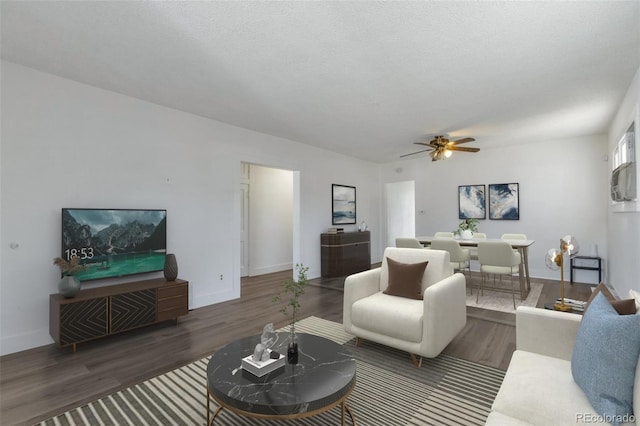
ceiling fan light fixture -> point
(441, 148)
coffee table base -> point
(344, 408)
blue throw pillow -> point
(604, 359)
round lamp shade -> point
(551, 259)
(569, 245)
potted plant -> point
(466, 228)
(69, 285)
(290, 298)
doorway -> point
(401, 207)
(267, 219)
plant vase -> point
(170, 268)
(69, 286)
(292, 349)
(466, 234)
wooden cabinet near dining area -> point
(345, 253)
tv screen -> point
(114, 243)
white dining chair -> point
(458, 256)
(497, 258)
(473, 251)
(443, 235)
(513, 237)
(408, 243)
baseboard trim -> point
(270, 269)
(25, 341)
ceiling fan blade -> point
(422, 143)
(462, 148)
(463, 140)
(417, 152)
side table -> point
(589, 268)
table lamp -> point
(555, 260)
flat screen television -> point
(114, 242)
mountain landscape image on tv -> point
(114, 243)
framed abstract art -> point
(471, 202)
(504, 201)
(343, 201)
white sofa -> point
(538, 388)
(420, 327)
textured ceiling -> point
(366, 79)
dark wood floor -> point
(45, 381)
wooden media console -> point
(102, 311)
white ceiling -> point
(366, 79)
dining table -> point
(521, 245)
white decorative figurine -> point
(267, 340)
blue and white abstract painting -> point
(344, 204)
(504, 201)
(471, 203)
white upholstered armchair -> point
(421, 327)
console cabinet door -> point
(131, 310)
(345, 253)
(173, 301)
(83, 320)
(356, 257)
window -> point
(624, 151)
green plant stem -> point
(292, 290)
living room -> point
(69, 143)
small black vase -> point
(292, 353)
(170, 268)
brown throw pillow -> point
(405, 279)
(622, 307)
(605, 292)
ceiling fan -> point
(441, 148)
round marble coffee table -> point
(323, 378)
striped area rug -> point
(389, 391)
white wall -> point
(270, 220)
(563, 190)
(624, 227)
(65, 144)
